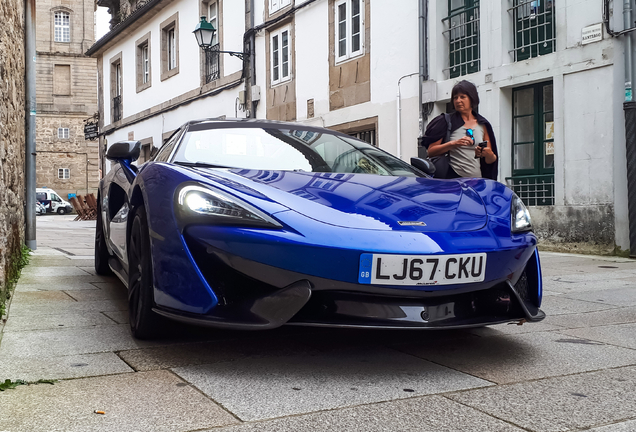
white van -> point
(52, 201)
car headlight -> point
(196, 202)
(519, 216)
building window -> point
(170, 47)
(534, 28)
(533, 144)
(144, 77)
(213, 9)
(349, 29)
(62, 26)
(281, 55)
(63, 173)
(63, 133)
(463, 36)
(367, 136)
(116, 87)
(276, 5)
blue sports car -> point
(252, 224)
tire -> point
(61, 210)
(144, 323)
(101, 251)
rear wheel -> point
(101, 251)
(143, 321)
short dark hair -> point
(469, 89)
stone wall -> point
(12, 133)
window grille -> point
(463, 37)
(62, 27)
(64, 173)
(62, 133)
(534, 28)
(116, 108)
(534, 190)
(212, 69)
(366, 136)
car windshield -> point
(310, 150)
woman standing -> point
(457, 137)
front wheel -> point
(143, 321)
(61, 210)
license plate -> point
(388, 269)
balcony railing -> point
(534, 28)
(463, 39)
(212, 65)
(116, 108)
(534, 190)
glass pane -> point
(548, 126)
(524, 129)
(342, 30)
(547, 98)
(355, 43)
(524, 157)
(456, 4)
(548, 158)
(355, 7)
(524, 102)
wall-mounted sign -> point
(593, 33)
(91, 131)
(549, 130)
(549, 148)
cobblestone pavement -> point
(576, 370)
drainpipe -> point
(30, 108)
(399, 113)
(629, 107)
(423, 51)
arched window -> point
(62, 26)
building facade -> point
(66, 96)
(12, 136)
(550, 80)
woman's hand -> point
(463, 141)
(486, 153)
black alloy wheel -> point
(101, 251)
(143, 321)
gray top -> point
(462, 159)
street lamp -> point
(204, 33)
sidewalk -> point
(575, 370)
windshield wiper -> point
(201, 165)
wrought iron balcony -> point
(212, 63)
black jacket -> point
(438, 127)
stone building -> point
(66, 96)
(12, 133)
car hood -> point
(364, 201)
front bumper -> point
(250, 297)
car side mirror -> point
(424, 165)
(124, 150)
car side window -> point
(166, 150)
(40, 196)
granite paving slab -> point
(594, 319)
(621, 297)
(513, 358)
(150, 401)
(628, 426)
(105, 293)
(44, 286)
(56, 321)
(565, 286)
(268, 387)
(60, 307)
(40, 297)
(514, 328)
(421, 414)
(565, 403)
(559, 304)
(63, 367)
(49, 273)
(623, 335)
(120, 317)
(62, 281)
(61, 342)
